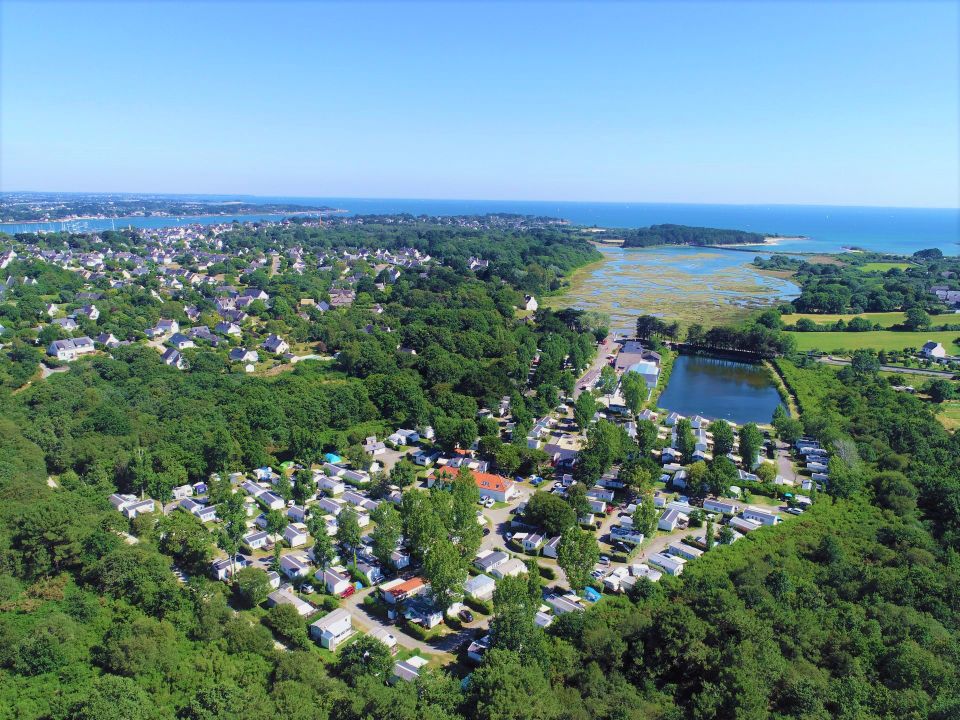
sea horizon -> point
(825, 228)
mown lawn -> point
(883, 266)
(884, 319)
(873, 340)
(949, 415)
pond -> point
(720, 388)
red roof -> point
(484, 481)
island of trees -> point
(687, 235)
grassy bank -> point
(843, 342)
(884, 319)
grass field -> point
(874, 340)
(885, 319)
(882, 267)
(949, 415)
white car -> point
(490, 502)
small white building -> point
(332, 629)
(670, 564)
(764, 517)
(933, 350)
(296, 534)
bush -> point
(481, 606)
(420, 632)
(547, 572)
(286, 622)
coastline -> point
(80, 218)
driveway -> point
(593, 372)
(785, 466)
(365, 620)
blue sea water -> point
(824, 228)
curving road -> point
(830, 360)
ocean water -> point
(825, 228)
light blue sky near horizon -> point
(756, 102)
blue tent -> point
(591, 594)
(331, 458)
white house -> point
(764, 517)
(488, 560)
(256, 539)
(933, 349)
(513, 566)
(744, 525)
(138, 508)
(294, 565)
(336, 582)
(205, 513)
(275, 344)
(561, 604)
(286, 597)
(296, 534)
(533, 542)
(687, 552)
(332, 629)
(271, 501)
(331, 485)
(720, 506)
(409, 670)
(386, 637)
(672, 519)
(182, 491)
(67, 350)
(530, 303)
(222, 569)
(670, 564)
(479, 587)
(297, 513)
(551, 548)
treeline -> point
(845, 288)
(761, 335)
(687, 235)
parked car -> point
(604, 560)
(795, 511)
(307, 589)
(465, 615)
(490, 502)
(486, 531)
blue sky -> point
(760, 102)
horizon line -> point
(486, 200)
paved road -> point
(829, 360)
(785, 464)
(365, 620)
(606, 348)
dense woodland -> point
(851, 611)
(845, 287)
(687, 235)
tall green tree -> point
(386, 535)
(577, 555)
(722, 437)
(645, 516)
(348, 532)
(751, 442)
(584, 409)
(446, 571)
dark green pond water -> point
(720, 388)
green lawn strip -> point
(874, 340)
